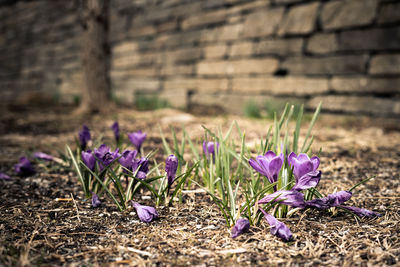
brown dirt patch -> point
(36, 229)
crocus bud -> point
(84, 137)
(171, 165)
(24, 167)
(242, 226)
(209, 148)
(88, 159)
(115, 128)
(278, 228)
(95, 200)
(4, 176)
(145, 213)
(43, 156)
(137, 138)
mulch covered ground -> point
(44, 219)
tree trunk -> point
(96, 96)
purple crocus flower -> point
(115, 128)
(127, 159)
(308, 180)
(88, 159)
(285, 197)
(209, 148)
(95, 200)
(302, 164)
(242, 226)
(332, 200)
(84, 137)
(43, 156)
(24, 167)
(137, 138)
(278, 228)
(146, 214)
(268, 165)
(101, 151)
(362, 212)
(171, 165)
(104, 156)
(4, 176)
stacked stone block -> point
(345, 53)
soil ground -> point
(38, 228)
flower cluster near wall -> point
(273, 180)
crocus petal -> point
(339, 198)
(24, 167)
(278, 228)
(270, 155)
(292, 156)
(302, 169)
(88, 159)
(145, 213)
(307, 181)
(255, 165)
(43, 156)
(95, 200)
(4, 176)
(303, 157)
(302, 164)
(143, 164)
(362, 212)
(332, 200)
(315, 161)
(285, 197)
(274, 168)
(205, 150)
(242, 226)
(141, 175)
(264, 164)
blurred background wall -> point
(221, 53)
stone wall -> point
(225, 53)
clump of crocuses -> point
(301, 174)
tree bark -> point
(96, 96)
